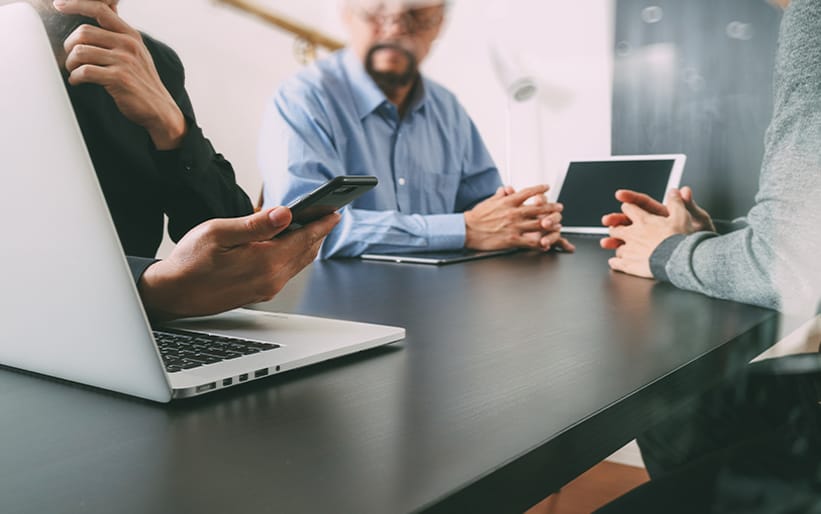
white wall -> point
(234, 62)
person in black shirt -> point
(152, 159)
(129, 97)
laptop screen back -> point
(70, 307)
(589, 188)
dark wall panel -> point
(695, 77)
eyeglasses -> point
(412, 21)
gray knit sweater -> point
(773, 258)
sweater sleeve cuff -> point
(138, 265)
(662, 254)
(446, 231)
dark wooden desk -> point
(517, 374)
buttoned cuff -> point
(662, 254)
(192, 156)
(446, 231)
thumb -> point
(675, 204)
(691, 201)
(261, 226)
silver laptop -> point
(69, 305)
(587, 189)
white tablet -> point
(438, 258)
(587, 189)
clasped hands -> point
(114, 56)
(644, 224)
(516, 219)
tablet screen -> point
(589, 188)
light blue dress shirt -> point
(331, 119)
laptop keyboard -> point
(182, 350)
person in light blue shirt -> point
(367, 110)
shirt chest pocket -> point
(432, 193)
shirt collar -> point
(366, 94)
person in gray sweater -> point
(770, 258)
(753, 444)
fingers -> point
(300, 247)
(313, 232)
(694, 208)
(620, 232)
(687, 196)
(642, 200)
(610, 243)
(630, 266)
(533, 218)
(537, 200)
(538, 211)
(548, 241)
(552, 222)
(528, 240)
(615, 219)
(535, 237)
(555, 240)
(617, 264)
(565, 245)
(91, 74)
(540, 225)
(676, 206)
(634, 213)
(531, 225)
(261, 226)
(90, 35)
(100, 10)
(85, 54)
(521, 196)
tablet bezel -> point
(673, 181)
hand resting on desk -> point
(644, 224)
(511, 219)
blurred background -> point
(611, 77)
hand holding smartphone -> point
(329, 197)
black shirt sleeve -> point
(138, 266)
(201, 182)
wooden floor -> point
(601, 484)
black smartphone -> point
(329, 197)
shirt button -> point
(401, 181)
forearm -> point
(141, 272)
(733, 267)
(752, 265)
(362, 231)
